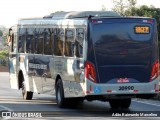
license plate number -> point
(123, 88)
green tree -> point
(125, 7)
(131, 8)
(3, 57)
(120, 6)
(1, 33)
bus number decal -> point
(126, 88)
(37, 66)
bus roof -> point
(71, 18)
(81, 14)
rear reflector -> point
(109, 90)
(154, 86)
(87, 92)
(90, 88)
(156, 90)
(154, 72)
(135, 91)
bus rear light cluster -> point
(148, 21)
(154, 72)
(90, 88)
(90, 72)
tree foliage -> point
(120, 6)
(4, 57)
(3, 35)
(124, 7)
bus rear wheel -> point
(26, 94)
(61, 101)
(123, 103)
(114, 103)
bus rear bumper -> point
(123, 88)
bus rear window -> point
(122, 31)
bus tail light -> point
(90, 72)
(154, 72)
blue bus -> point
(89, 55)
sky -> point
(13, 10)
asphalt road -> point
(45, 106)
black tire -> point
(125, 103)
(114, 103)
(61, 101)
(26, 94)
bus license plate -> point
(123, 88)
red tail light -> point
(154, 72)
(90, 72)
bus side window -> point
(36, 40)
(79, 42)
(48, 41)
(40, 41)
(69, 42)
(29, 39)
(58, 42)
(33, 41)
(21, 40)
